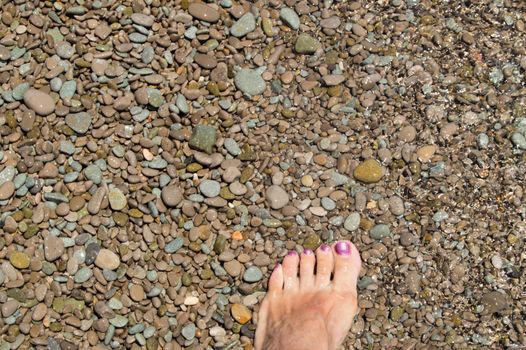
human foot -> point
(312, 310)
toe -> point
(275, 283)
(290, 270)
(347, 265)
(307, 269)
(324, 265)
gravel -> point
(158, 158)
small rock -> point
(7, 189)
(369, 171)
(20, 260)
(249, 82)
(246, 24)
(252, 274)
(380, 231)
(210, 188)
(39, 101)
(352, 222)
(117, 199)
(277, 197)
(79, 122)
(53, 248)
(306, 44)
(171, 195)
(203, 12)
(241, 313)
(106, 259)
(188, 331)
(203, 138)
(290, 18)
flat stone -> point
(171, 195)
(79, 122)
(380, 231)
(53, 248)
(241, 313)
(7, 189)
(352, 222)
(39, 101)
(246, 24)
(250, 82)
(277, 197)
(369, 171)
(210, 188)
(290, 18)
(188, 331)
(142, 19)
(174, 245)
(252, 274)
(203, 12)
(306, 44)
(205, 61)
(203, 138)
(93, 173)
(20, 260)
(83, 275)
(106, 259)
(117, 199)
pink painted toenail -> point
(325, 248)
(292, 253)
(343, 248)
(307, 252)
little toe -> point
(290, 271)
(324, 265)
(347, 265)
(307, 269)
(275, 283)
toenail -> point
(343, 248)
(292, 253)
(277, 265)
(307, 252)
(325, 248)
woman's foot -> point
(316, 309)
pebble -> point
(276, 196)
(79, 122)
(246, 24)
(117, 199)
(352, 222)
(53, 248)
(290, 17)
(210, 188)
(249, 82)
(83, 275)
(203, 12)
(380, 231)
(171, 195)
(241, 313)
(7, 189)
(252, 274)
(232, 147)
(188, 331)
(39, 101)
(519, 140)
(203, 138)
(306, 44)
(369, 171)
(20, 260)
(106, 259)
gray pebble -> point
(174, 245)
(482, 140)
(252, 274)
(519, 140)
(232, 147)
(210, 188)
(328, 204)
(68, 89)
(290, 18)
(244, 25)
(93, 173)
(249, 82)
(83, 275)
(352, 222)
(188, 331)
(380, 231)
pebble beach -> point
(158, 158)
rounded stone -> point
(369, 171)
(252, 274)
(106, 259)
(7, 189)
(277, 197)
(380, 231)
(53, 248)
(306, 44)
(241, 313)
(20, 260)
(250, 82)
(210, 188)
(117, 199)
(290, 18)
(39, 101)
(203, 12)
(171, 195)
(352, 222)
(246, 24)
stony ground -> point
(158, 157)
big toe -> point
(347, 265)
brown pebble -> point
(203, 12)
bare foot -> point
(311, 311)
